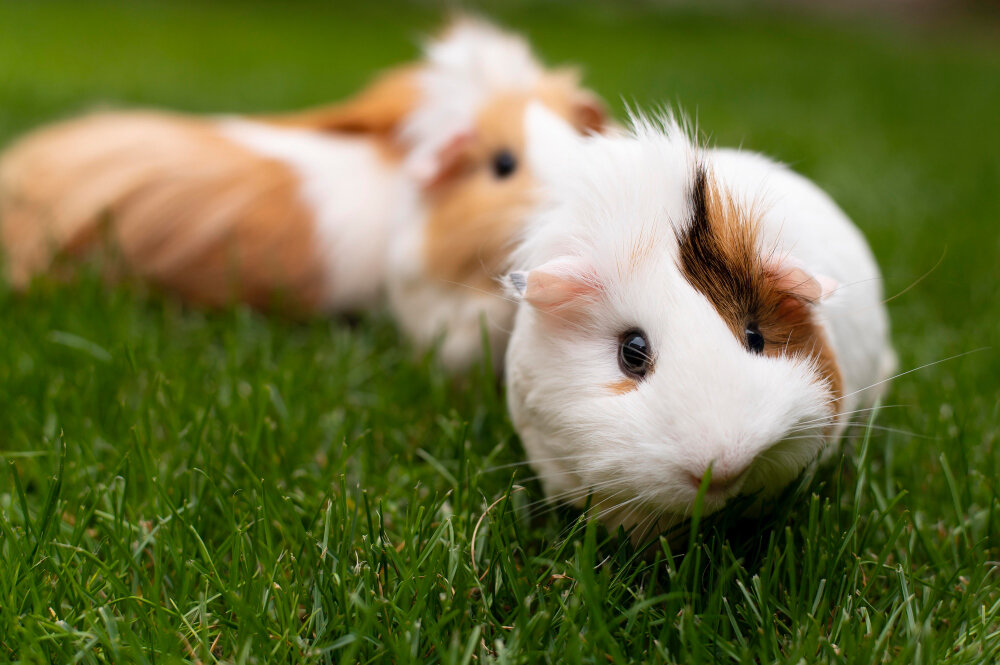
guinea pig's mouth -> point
(721, 485)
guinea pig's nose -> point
(722, 480)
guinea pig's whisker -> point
(788, 340)
(599, 492)
(551, 503)
(571, 495)
(534, 461)
(832, 418)
(813, 426)
(847, 285)
(549, 474)
(639, 502)
(864, 425)
(918, 279)
(800, 437)
(643, 355)
(617, 507)
(610, 499)
(910, 371)
(479, 290)
(892, 430)
(644, 525)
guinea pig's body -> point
(215, 210)
(306, 208)
(684, 313)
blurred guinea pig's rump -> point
(687, 316)
(301, 209)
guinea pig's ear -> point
(433, 169)
(791, 276)
(562, 287)
(377, 109)
(589, 113)
(550, 142)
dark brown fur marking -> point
(721, 258)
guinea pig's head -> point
(660, 342)
(466, 144)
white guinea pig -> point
(681, 310)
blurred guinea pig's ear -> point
(377, 109)
(447, 161)
(551, 143)
(562, 287)
(587, 112)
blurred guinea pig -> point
(305, 209)
(687, 316)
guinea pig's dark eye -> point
(634, 355)
(504, 163)
(755, 341)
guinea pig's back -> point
(214, 210)
(355, 192)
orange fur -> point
(720, 256)
(475, 217)
(183, 207)
(622, 386)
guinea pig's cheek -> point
(621, 386)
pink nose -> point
(722, 479)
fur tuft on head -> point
(470, 62)
(592, 174)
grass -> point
(188, 486)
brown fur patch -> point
(721, 257)
(622, 386)
(179, 204)
(475, 216)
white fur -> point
(452, 315)
(355, 195)
(471, 63)
(708, 401)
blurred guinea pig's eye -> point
(634, 355)
(504, 163)
(755, 341)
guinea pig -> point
(467, 146)
(685, 316)
(304, 209)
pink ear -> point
(792, 278)
(559, 287)
(447, 160)
(588, 112)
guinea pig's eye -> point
(504, 163)
(755, 341)
(634, 355)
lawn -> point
(190, 486)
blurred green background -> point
(171, 474)
(894, 114)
